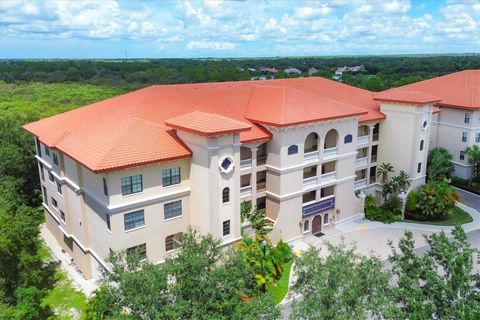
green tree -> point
(439, 163)
(202, 282)
(344, 285)
(441, 284)
(383, 170)
(436, 198)
(473, 155)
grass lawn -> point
(280, 288)
(63, 299)
(458, 216)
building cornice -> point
(309, 163)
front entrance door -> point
(317, 224)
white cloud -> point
(312, 13)
(397, 6)
(250, 37)
(213, 45)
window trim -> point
(477, 137)
(136, 227)
(422, 143)
(464, 136)
(54, 203)
(171, 176)
(229, 224)
(108, 222)
(172, 217)
(462, 156)
(349, 140)
(467, 118)
(62, 214)
(105, 186)
(56, 159)
(227, 190)
(306, 223)
(293, 149)
(131, 184)
(419, 167)
(59, 187)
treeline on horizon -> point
(382, 72)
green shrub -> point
(283, 251)
(394, 205)
(412, 200)
(435, 199)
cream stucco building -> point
(137, 170)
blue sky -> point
(248, 28)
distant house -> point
(240, 69)
(270, 70)
(259, 78)
(312, 71)
(252, 69)
(292, 71)
(340, 71)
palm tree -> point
(439, 164)
(473, 154)
(383, 170)
(403, 180)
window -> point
(172, 209)
(54, 203)
(173, 241)
(171, 176)
(132, 184)
(325, 219)
(47, 151)
(107, 219)
(140, 251)
(39, 146)
(133, 220)
(62, 216)
(105, 187)
(45, 195)
(226, 195)
(50, 177)
(306, 225)
(464, 137)
(419, 167)
(42, 173)
(55, 158)
(348, 138)
(59, 188)
(467, 118)
(421, 145)
(293, 149)
(477, 137)
(226, 228)
(462, 155)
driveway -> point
(470, 199)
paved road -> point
(470, 199)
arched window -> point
(348, 138)
(226, 195)
(421, 145)
(306, 226)
(293, 149)
(325, 219)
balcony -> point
(245, 191)
(310, 156)
(316, 207)
(362, 139)
(330, 152)
(360, 183)
(329, 176)
(310, 181)
(261, 186)
(246, 163)
(360, 162)
(261, 160)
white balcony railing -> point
(362, 139)
(330, 152)
(310, 181)
(361, 162)
(326, 177)
(245, 191)
(246, 163)
(312, 155)
(360, 183)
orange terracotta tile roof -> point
(404, 96)
(207, 124)
(459, 90)
(130, 130)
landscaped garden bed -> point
(456, 216)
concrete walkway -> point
(77, 279)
